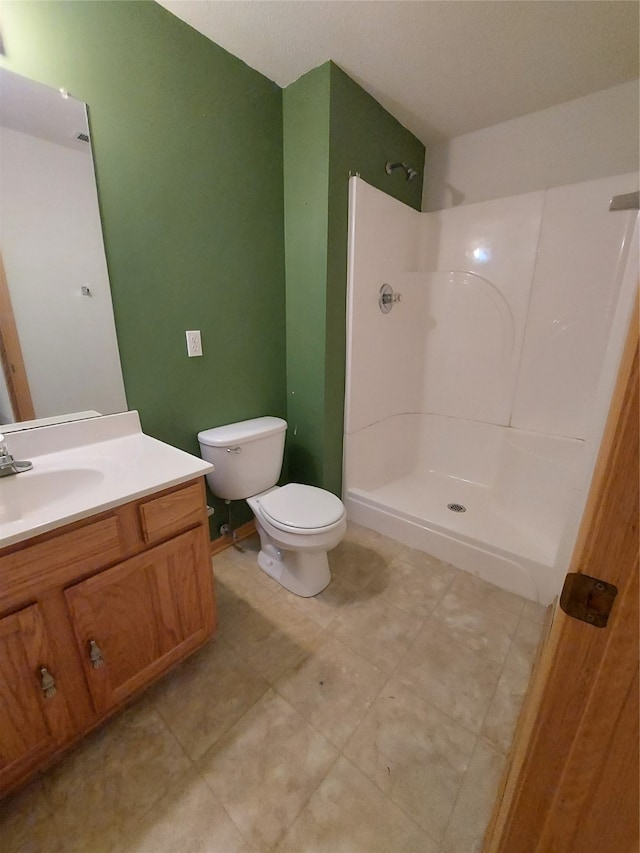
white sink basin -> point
(28, 493)
(82, 468)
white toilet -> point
(297, 524)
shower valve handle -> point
(390, 298)
(387, 298)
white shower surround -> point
(488, 384)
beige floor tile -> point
(457, 681)
(535, 612)
(248, 559)
(332, 688)
(473, 808)
(414, 753)
(348, 814)
(273, 638)
(238, 594)
(416, 589)
(265, 769)
(26, 823)
(246, 552)
(524, 647)
(188, 819)
(382, 545)
(113, 777)
(206, 695)
(323, 608)
(483, 591)
(502, 716)
(420, 559)
(232, 609)
(377, 631)
(356, 562)
(245, 582)
(477, 624)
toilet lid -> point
(304, 507)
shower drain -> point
(456, 507)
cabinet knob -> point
(95, 655)
(48, 683)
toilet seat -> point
(296, 508)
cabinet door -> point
(32, 723)
(133, 621)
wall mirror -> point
(58, 343)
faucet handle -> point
(9, 465)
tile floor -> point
(374, 717)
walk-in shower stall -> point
(483, 343)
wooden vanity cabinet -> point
(33, 722)
(139, 617)
(104, 606)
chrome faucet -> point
(9, 465)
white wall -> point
(591, 137)
(51, 241)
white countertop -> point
(85, 467)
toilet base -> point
(305, 573)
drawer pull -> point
(95, 654)
(48, 683)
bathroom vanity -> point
(104, 585)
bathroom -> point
(188, 143)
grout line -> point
(457, 797)
(398, 805)
(217, 799)
(395, 803)
(224, 809)
(271, 688)
(307, 801)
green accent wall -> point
(332, 129)
(306, 113)
(188, 151)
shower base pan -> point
(414, 510)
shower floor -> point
(422, 497)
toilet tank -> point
(246, 456)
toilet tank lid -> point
(241, 432)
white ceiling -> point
(441, 67)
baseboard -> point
(226, 541)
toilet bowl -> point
(297, 524)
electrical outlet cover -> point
(194, 343)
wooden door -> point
(32, 725)
(141, 616)
(11, 360)
(572, 782)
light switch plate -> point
(194, 344)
